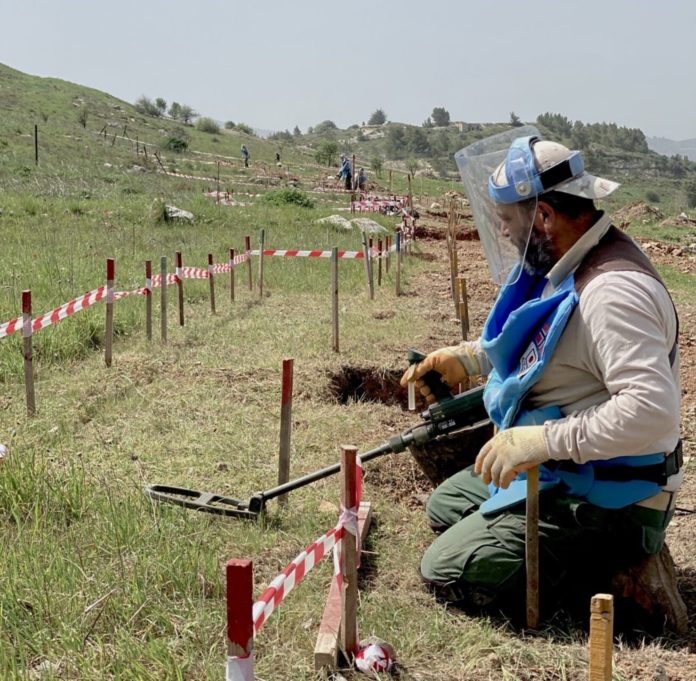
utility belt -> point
(658, 473)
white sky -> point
(275, 64)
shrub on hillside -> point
(326, 152)
(145, 105)
(229, 125)
(243, 127)
(652, 196)
(176, 144)
(205, 124)
(284, 197)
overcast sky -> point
(275, 64)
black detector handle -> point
(432, 378)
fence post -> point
(232, 275)
(247, 247)
(334, 296)
(262, 240)
(109, 333)
(398, 263)
(366, 255)
(379, 262)
(36, 144)
(285, 427)
(163, 298)
(27, 333)
(240, 622)
(211, 279)
(463, 307)
(532, 547)
(180, 285)
(349, 555)
(148, 299)
(388, 262)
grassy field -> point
(97, 581)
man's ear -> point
(546, 213)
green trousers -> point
(479, 560)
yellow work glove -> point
(456, 363)
(511, 452)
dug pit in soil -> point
(367, 384)
(437, 459)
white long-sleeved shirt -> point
(610, 373)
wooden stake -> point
(368, 275)
(262, 240)
(163, 299)
(247, 248)
(217, 191)
(240, 602)
(109, 331)
(353, 183)
(334, 297)
(349, 556)
(601, 637)
(410, 196)
(532, 547)
(148, 299)
(211, 280)
(390, 181)
(398, 263)
(388, 246)
(180, 286)
(379, 262)
(36, 144)
(27, 334)
(463, 307)
(232, 275)
(285, 428)
(327, 648)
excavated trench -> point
(367, 384)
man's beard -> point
(538, 255)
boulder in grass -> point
(369, 226)
(174, 213)
(337, 221)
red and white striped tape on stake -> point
(56, 315)
(240, 661)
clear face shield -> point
(504, 225)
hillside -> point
(668, 147)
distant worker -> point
(277, 157)
(245, 155)
(362, 179)
(345, 173)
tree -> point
(296, 132)
(515, 121)
(326, 152)
(324, 127)
(161, 105)
(145, 105)
(175, 110)
(206, 124)
(378, 117)
(187, 114)
(412, 165)
(440, 116)
(82, 116)
(428, 123)
(377, 164)
(229, 125)
(691, 194)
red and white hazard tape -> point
(295, 253)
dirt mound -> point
(681, 220)
(637, 212)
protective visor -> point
(504, 227)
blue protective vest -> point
(519, 337)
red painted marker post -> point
(240, 623)
(180, 285)
(28, 354)
(379, 262)
(211, 279)
(247, 248)
(285, 427)
(148, 299)
(334, 297)
(109, 333)
(349, 555)
(262, 239)
(232, 274)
